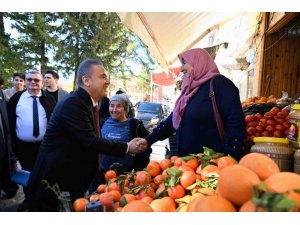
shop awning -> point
(167, 34)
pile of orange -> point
(181, 184)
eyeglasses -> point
(33, 79)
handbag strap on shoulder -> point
(216, 112)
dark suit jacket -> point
(47, 101)
(5, 142)
(69, 151)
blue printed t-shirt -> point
(113, 130)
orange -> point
(171, 201)
(173, 159)
(249, 206)
(146, 192)
(187, 178)
(116, 195)
(165, 164)
(210, 204)
(236, 184)
(178, 162)
(153, 168)
(142, 177)
(80, 204)
(106, 199)
(114, 186)
(176, 192)
(282, 182)
(101, 188)
(147, 199)
(137, 206)
(126, 198)
(260, 164)
(94, 198)
(226, 161)
(193, 163)
(207, 170)
(110, 174)
(162, 205)
(159, 179)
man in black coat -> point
(7, 158)
(69, 151)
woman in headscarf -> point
(193, 117)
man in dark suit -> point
(7, 158)
(69, 151)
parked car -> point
(150, 113)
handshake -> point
(137, 146)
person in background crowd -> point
(7, 158)
(131, 113)
(29, 112)
(193, 117)
(18, 85)
(51, 85)
(68, 155)
(120, 128)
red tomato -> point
(274, 110)
(270, 128)
(259, 129)
(258, 116)
(268, 115)
(271, 122)
(250, 118)
(280, 127)
(251, 131)
(265, 133)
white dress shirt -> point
(24, 112)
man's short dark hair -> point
(85, 67)
(54, 74)
(21, 75)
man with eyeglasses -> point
(29, 111)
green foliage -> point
(60, 41)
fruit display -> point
(273, 123)
(205, 182)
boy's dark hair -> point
(21, 75)
(54, 74)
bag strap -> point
(216, 112)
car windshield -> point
(148, 107)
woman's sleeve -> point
(229, 105)
(162, 131)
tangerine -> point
(236, 184)
(153, 168)
(260, 164)
(80, 204)
(110, 174)
(162, 205)
(137, 206)
(165, 164)
(210, 204)
(282, 182)
(225, 161)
